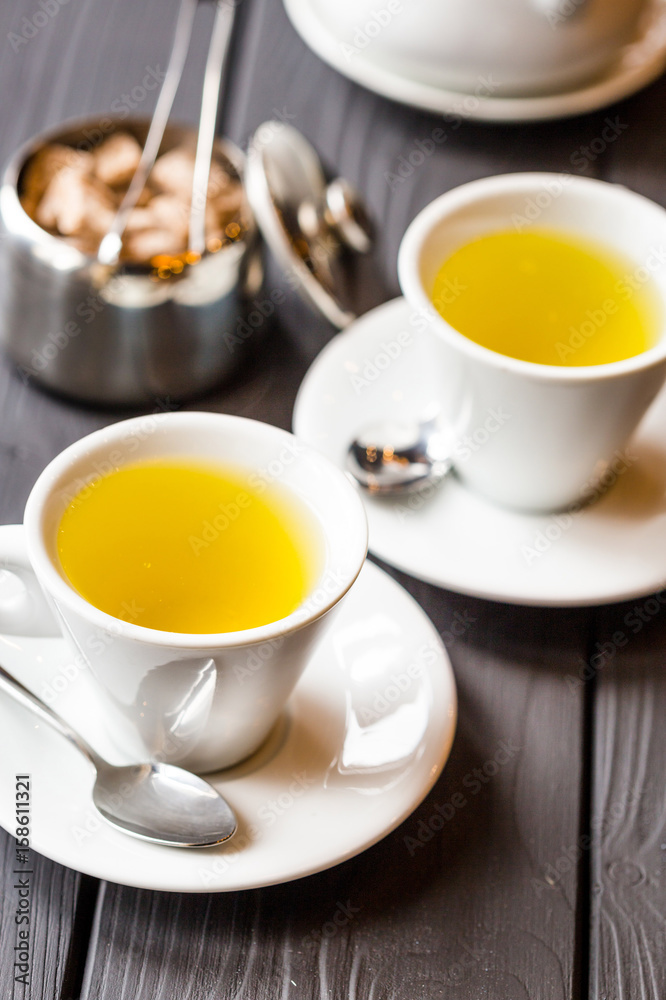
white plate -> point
(639, 64)
(610, 551)
(366, 735)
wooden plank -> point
(628, 916)
(33, 428)
(60, 913)
(628, 927)
(51, 69)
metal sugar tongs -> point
(111, 245)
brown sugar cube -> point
(171, 213)
(143, 244)
(219, 181)
(117, 159)
(213, 227)
(227, 206)
(87, 242)
(144, 197)
(44, 165)
(163, 214)
(173, 173)
(73, 203)
(140, 218)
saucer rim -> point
(618, 82)
(445, 710)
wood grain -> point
(628, 828)
(629, 804)
(61, 904)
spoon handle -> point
(30, 701)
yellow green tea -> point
(549, 298)
(189, 547)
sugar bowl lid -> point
(311, 226)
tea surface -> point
(189, 547)
(548, 298)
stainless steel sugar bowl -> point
(131, 334)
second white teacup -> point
(562, 426)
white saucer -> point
(366, 735)
(639, 64)
(610, 551)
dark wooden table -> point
(551, 883)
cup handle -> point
(23, 607)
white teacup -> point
(560, 428)
(203, 701)
(502, 47)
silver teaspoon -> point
(392, 459)
(153, 801)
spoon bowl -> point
(163, 804)
(153, 801)
(395, 459)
